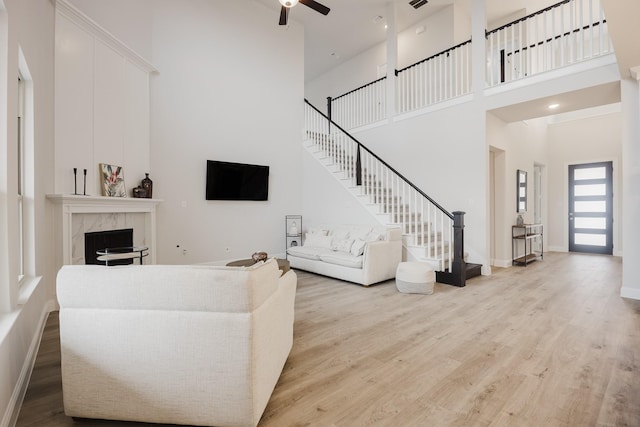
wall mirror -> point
(521, 191)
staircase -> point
(430, 233)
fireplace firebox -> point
(99, 240)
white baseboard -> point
(503, 263)
(631, 293)
(556, 249)
(13, 409)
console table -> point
(528, 234)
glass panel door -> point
(591, 208)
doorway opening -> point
(591, 208)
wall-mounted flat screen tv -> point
(236, 181)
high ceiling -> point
(349, 28)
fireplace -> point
(98, 240)
(76, 215)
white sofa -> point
(197, 345)
(361, 254)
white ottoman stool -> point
(415, 278)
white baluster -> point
(600, 31)
(581, 33)
(591, 29)
(563, 61)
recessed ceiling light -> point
(335, 55)
(553, 106)
(377, 19)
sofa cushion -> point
(373, 236)
(168, 287)
(341, 245)
(318, 231)
(342, 258)
(340, 234)
(318, 241)
(357, 248)
(308, 252)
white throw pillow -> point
(317, 241)
(340, 234)
(317, 231)
(372, 237)
(342, 245)
(357, 248)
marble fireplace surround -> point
(76, 215)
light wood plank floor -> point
(550, 344)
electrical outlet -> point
(227, 249)
(184, 252)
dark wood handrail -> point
(540, 43)
(433, 56)
(358, 88)
(546, 9)
(360, 145)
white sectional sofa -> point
(197, 345)
(361, 254)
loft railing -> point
(562, 34)
(445, 75)
(427, 224)
(362, 106)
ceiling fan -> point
(288, 4)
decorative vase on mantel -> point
(147, 184)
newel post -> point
(458, 265)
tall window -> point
(21, 185)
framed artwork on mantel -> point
(112, 180)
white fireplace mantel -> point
(66, 206)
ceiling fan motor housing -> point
(288, 3)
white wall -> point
(224, 92)
(129, 20)
(523, 144)
(325, 199)
(631, 182)
(207, 102)
(351, 74)
(444, 154)
(27, 25)
(438, 35)
(102, 105)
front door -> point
(591, 208)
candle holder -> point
(75, 181)
(85, 183)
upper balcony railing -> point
(362, 106)
(438, 78)
(562, 34)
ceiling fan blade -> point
(284, 15)
(316, 6)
